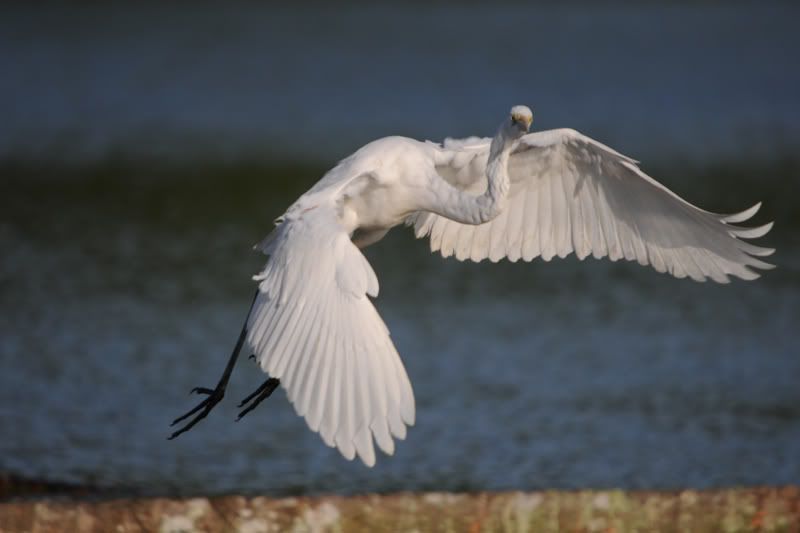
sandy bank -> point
(758, 509)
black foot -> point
(258, 396)
(213, 397)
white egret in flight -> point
(312, 326)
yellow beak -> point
(526, 121)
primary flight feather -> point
(312, 326)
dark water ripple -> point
(561, 374)
(137, 167)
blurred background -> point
(145, 147)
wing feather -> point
(317, 386)
(563, 223)
(307, 376)
(480, 242)
(313, 327)
(497, 238)
(463, 241)
(530, 243)
(545, 221)
(743, 215)
(514, 232)
(570, 193)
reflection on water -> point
(118, 296)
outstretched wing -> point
(313, 327)
(570, 193)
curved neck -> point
(495, 198)
(466, 208)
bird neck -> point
(498, 182)
(458, 205)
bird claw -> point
(213, 397)
(257, 396)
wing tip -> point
(742, 215)
(409, 415)
(754, 232)
(763, 252)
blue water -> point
(660, 81)
(124, 285)
(561, 374)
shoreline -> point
(732, 509)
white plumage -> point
(313, 327)
(516, 196)
(570, 193)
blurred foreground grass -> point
(757, 509)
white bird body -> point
(312, 325)
(375, 188)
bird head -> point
(521, 119)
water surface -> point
(144, 149)
(561, 374)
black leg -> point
(258, 396)
(215, 395)
(254, 393)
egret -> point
(312, 326)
